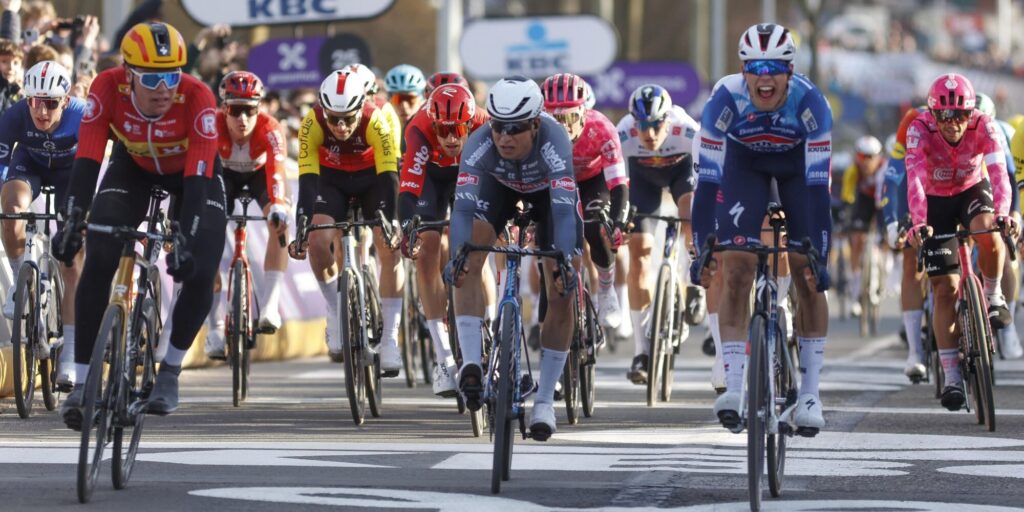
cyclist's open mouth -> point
(766, 91)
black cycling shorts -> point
(338, 188)
(437, 194)
(256, 181)
(862, 212)
(646, 185)
(944, 215)
(497, 205)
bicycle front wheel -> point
(783, 398)
(141, 374)
(675, 335)
(351, 329)
(238, 330)
(595, 335)
(24, 338)
(376, 321)
(659, 344)
(504, 420)
(757, 395)
(979, 357)
(408, 341)
(97, 401)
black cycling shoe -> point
(696, 307)
(953, 398)
(709, 346)
(533, 339)
(999, 316)
(164, 398)
(637, 373)
(71, 409)
(471, 386)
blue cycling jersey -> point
(49, 150)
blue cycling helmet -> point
(649, 102)
(404, 78)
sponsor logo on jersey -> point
(711, 144)
(913, 137)
(623, 136)
(819, 147)
(420, 160)
(206, 124)
(410, 184)
(551, 156)
(817, 177)
(465, 179)
(739, 240)
(565, 183)
(809, 122)
(4, 150)
(677, 130)
(724, 120)
(942, 174)
(93, 108)
(610, 151)
(480, 151)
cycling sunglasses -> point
(48, 103)
(648, 125)
(569, 118)
(404, 97)
(349, 120)
(445, 130)
(511, 128)
(152, 79)
(948, 114)
(766, 67)
(238, 110)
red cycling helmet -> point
(450, 104)
(564, 90)
(951, 92)
(241, 87)
(440, 78)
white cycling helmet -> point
(868, 145)
(767, 41)
(342, 92)
(588, 93)
(366, 76)
(515, 98)
(47, 79)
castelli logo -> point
(739, 240)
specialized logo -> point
(206, 123)
(565, 183)
(736, 211)
(465, 179)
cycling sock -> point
(716, 332)
(855, 285)
(950, 358)
(67, 354)
(623, 292)
(552, 362)
(812, 356)
(16, 264)
(271, 290)
(640, 331)
(991, 285)
(491, 312)
(535, 310)
(174, 356)
(216, 319)
(439, 337)
(912, 323)
(784, 282)
(734, 355)
(606, 276)
(330, 292)
(391, 311)
(470, 337)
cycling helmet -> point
(890, 144)
(516, 98)
(342, 92)
(951, 92)
(366, 76)
(985, 105)
(241, 87)
(154, 45)
(588, 94)
(442, 77)
(649, 102)
(767, 41)
(404, 78)
(451, 103)
(564, 90)
(868, 145)
(1016, 121)
(47, 79)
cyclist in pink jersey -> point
(957, 175)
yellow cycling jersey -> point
(373, 145)
(852, 182)
(1017, 150)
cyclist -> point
(601, 178)
(524, 155)
(369, 80)
(767, 122)
(894, 211)
(950, 148)
(434, 140)
(253, 153)
(657, 143)
(165, 126)
(45, 128)
(443, 77)
(860, 187)
(405, 84)
(349, 153)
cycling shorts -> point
(23, 168)
(944, 215)
(497, 205)
(647, 183)
(862, 211)
(256, 181)
(438, 192)
(338, 189)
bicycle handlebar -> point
(564, 266)
(805, 248)
(962, 234)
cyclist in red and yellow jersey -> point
(348, 153)
(164, 124)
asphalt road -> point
(888, 446)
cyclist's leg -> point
(432, 206)
(645, 195)
(1009, 340)
(21, 185)
(215, 321)
(60, 180)
(331, 206)
(860, 219)
(991, 252)
(595, 197)
(625, 329)
(392, 283)
(912, 304)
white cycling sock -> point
(391, 311)
(330, 292)
(950, 358)
(734, 355)
(716, 333)
(812, 357)
(912, 323)
(552, 362)
(991, 285)
(606, 276)
(215, 317)
(16, 265)
(642, 345)
(784, 282)
(174, 356)
(439, 337)
(81, 373)
(271, 290)
(67, 354)
(491, 312)
(623, 292)
(470, 337)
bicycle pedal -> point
(266, 329)
(729, 419)
(806, 431)
(137, 407)
(388, 374)
(63, 388)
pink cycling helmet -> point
(951, 92)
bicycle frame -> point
(510, 296)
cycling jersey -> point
(1005, 135)
(894, 187)
(264, 151)
(598, 150)
(485, 177)
(391, 116)
(741, 147)
(47, 150)
(854, 183)
(936, 168)
(1017, 153)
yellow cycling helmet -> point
(154, 45)
(1016, 121)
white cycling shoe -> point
(914, 370)
(9, 303)
(444, 381)
(390, 358)
(542, 421)
(270, 321)
(333, 338)
(808, 416)
(1009, 343)
(727, 407)
(215, 342)
(608, 308)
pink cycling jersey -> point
(598, 149)
(936, 168)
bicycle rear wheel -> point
(24, 338)
(140, 370)
(376, 327)
(659, 344)
(351, 329)
(757, 395)
(97, 401)
(503, 417)
(979, 347)
(669, 366)
(408, 341)
(588, 373)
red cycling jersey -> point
(422, 149)
(183, 140)
(264, 149)
(598, 149)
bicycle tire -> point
(757, 390)
(236, 328)
(96, 401)
(842, 281)
(453, 344)
(139, 384)
(776, 446)
(503, 417)
(46, 381)
(24, 334)
(408, 343)
(982, 360)
(571, 384)
(932, 360)
(669, 367)
(588, 376)
(659, 317)
(48, 368)
(351, 327)
(373, 386)
(477, 419)
(372, 377)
